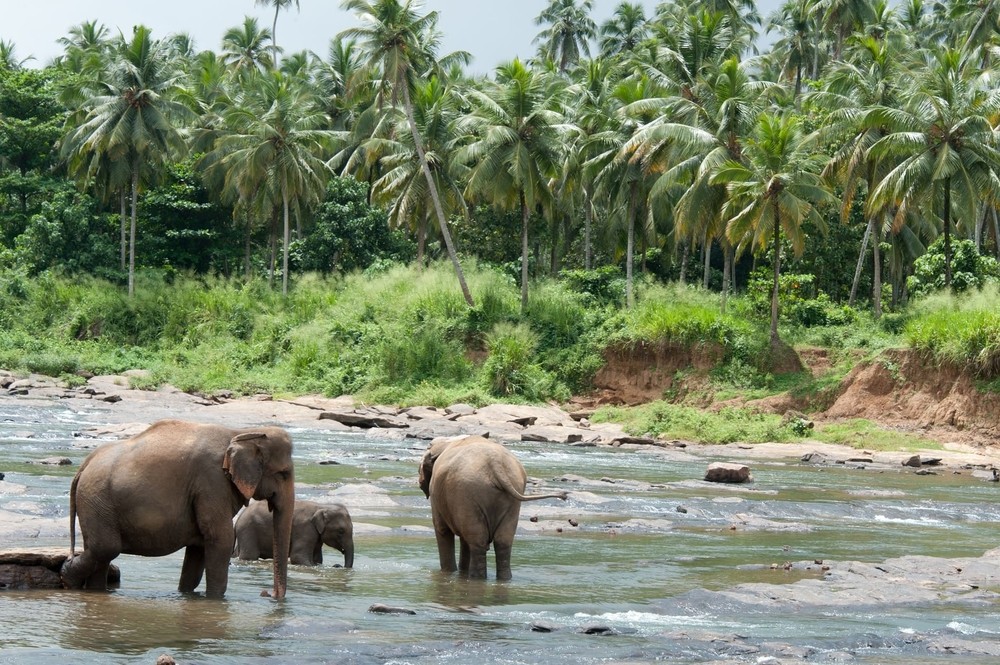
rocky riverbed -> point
(820, 586)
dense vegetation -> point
(376, 221)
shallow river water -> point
(635, 564)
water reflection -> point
(116, 623)
(454, 592)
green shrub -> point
(510, 369)
(969, 269)
(689, 424)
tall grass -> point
(960, 330)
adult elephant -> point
(476, 487)
(179, 484)
(313, 525)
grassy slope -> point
(405, 336)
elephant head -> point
(438, 446)
(333, 524)
(259, 463)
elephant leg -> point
(502, 551)
(463, 556)
(446, 550)
(477, 563)
(85, 571)
(193, 568)
(216, 565)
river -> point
(640, 552)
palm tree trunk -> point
(861, 262)
(877, 273)
(131, 241)
(684, 262)
(273, 242)
(421, 239)
(246, 246)
(996, 232)
(274, 33)
(432, 187)
(286, 233)
(707, 272)
(588, 217)
(727, 266)
(630, 246)
(524, 253)
(123, 200)
(947, 232)
(777, 272)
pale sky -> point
(492, 31)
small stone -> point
(573, 522)
(542, 626)
(112, 399)
(533, 518)
(681, 509)
(165, 659)
(597, 629)
(55, 461)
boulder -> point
(364, 421)
(39, 569)
(728, 472)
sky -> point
(492, 31)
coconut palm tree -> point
(8, 56)
(625, 30)
(401, 41)
(244, 49)
(795, 21)
(773, 192)
(570, 29)
(943, 148)
(514, 146)
(278, 6)
(344, 83)
(133, 119)
(274, 146)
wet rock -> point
(54, 461)
(639, 440)
(329, 462)
(596, 629)
(165, 659)
(542, 626)
(524, 421)
(931, 461)
(681, 509)
(992, 475)
(926, 472)
(111, 399)
(573, 522)
(727, 472)
(362, 420)
(913, 461)
(814, 458)
(379, 608)
(39, 569)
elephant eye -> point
(285, 475)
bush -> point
(969, 269)
(510, 369)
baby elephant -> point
(476, 487)
(313, 525)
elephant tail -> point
(72, 516)
(510, 489)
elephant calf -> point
(476, 487)
(313, 525)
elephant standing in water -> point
(476, 487)
(179, 484)
(313, 525)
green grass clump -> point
(962, 331)
(864, 434)
(672, 421)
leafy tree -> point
(969, 270)
(350, 234)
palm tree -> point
(853, 91)
(776, 189)
(398, 38)
(942, 149)
(278, 6)
(244, 49)
(344, 83)
(85, 47)
(133, 119)
(795, 21)
(514, 147)
(569, 30)
(274, 146)
(402, 185)
(625, 30)
(8, 56)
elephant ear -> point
(244, 462)
(426, 469)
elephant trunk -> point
(282, 507)
(349, 554)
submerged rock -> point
(379, 608)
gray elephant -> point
(313, 525)
(476, 487)
(179, 484)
